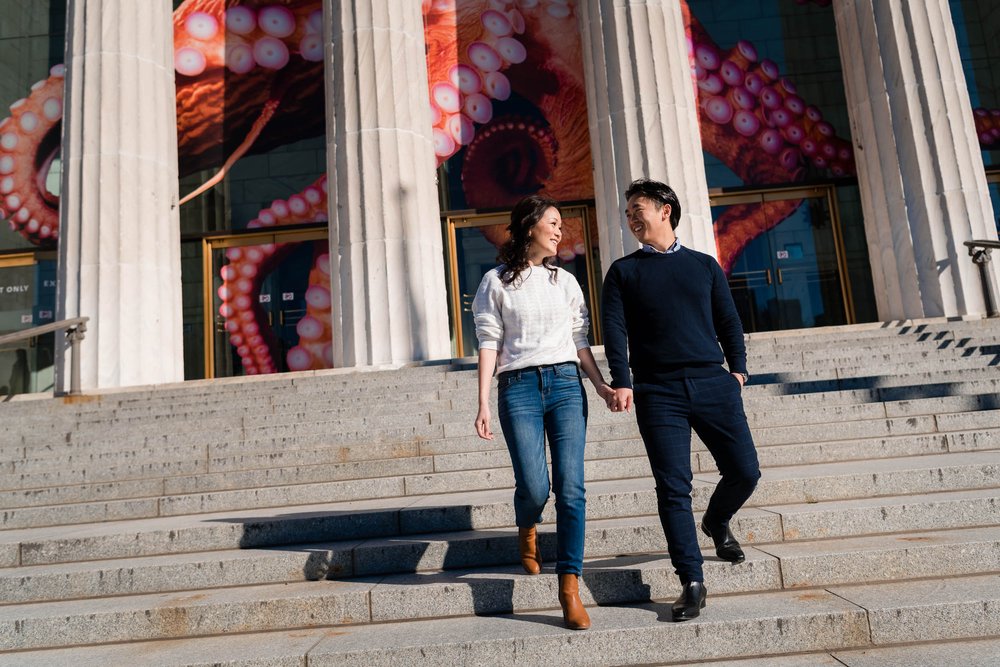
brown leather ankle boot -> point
(574, 615)
(531, 557)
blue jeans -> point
(534, 402)
(713, 407)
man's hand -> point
(622, 400)
(483, 423)
(739, 378)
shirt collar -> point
(674, 247)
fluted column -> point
(119, 244)
(387, 268)
(643, 116)
(920, 171)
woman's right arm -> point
(487, 363)
(489, 331)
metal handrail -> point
(75, 329)
(979, 251)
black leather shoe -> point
(726, 546)
(691, 601)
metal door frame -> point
(810, 192)
(222, 241)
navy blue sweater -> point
(665, 316)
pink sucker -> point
(769, 98)
(189, 61)
(742, 98)
(794, 134)
(813, 113)
(754, 83)
(466, 78)
(781, 118)
(713, 84)
(478, 108)
(276, 21)
(318, 297)
(484, 57)
(808, 147)
(496, 23)
(298, 358)
(795, 104)
(824, 128)
(239, 59)
(241, 20)
(769, 68)
(311, 48)
(731, 73)
(462, 129)
(789, 87)
(745, 123)
(718, 109)
(201, 25)
(747, 50)
(270, 53)
(789, 158)
(707, 56)
(444, 145)
(511, 50)
(446, 96)
(497, 86)
(771, 141)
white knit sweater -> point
(538, 319)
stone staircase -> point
(353, 518)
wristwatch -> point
(746, 376)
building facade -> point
(231, 188)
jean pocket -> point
(568, 371)
(507, 380)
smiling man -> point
(669, 317)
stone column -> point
(920, 169)
(386, 252)
(119, 245)
(643, 116)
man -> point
(667, 309)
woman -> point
(532, 323)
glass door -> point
(473, 243)
(270, 303)
(790, 273)
(27, 299)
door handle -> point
(780, 279)
(767, 275)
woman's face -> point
(545, 235)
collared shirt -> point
(674, 247)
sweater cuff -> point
(489, 345)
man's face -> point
(648, 219)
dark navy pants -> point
(667, 411)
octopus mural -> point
(508, 106)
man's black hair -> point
(659, 192)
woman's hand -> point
(606, 393)
(483, 423)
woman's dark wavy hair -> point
(514, 253)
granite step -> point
(376, 599)
(295, 647)
(828, 481)
(462, 517)
(842, 621)
(649, 575)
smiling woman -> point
(532, 328)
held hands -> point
(483, 423)
(621, 400)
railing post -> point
(75, 335)
(980, 254)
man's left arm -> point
(728, 327)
